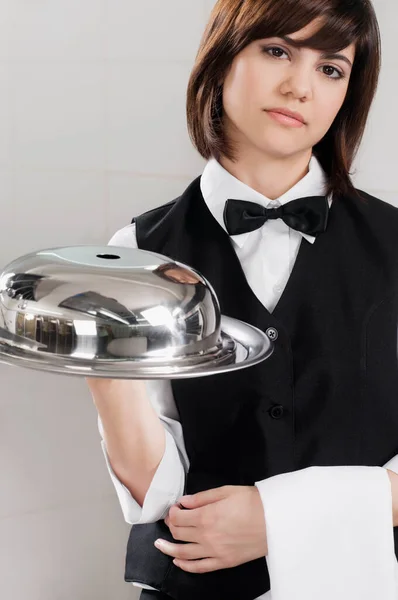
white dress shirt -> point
(267, 256)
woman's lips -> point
(284, 119)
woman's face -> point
(271, 74)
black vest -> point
(327, 396)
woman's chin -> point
(280, 151)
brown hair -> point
(234, 24)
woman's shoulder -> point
(127, 235)
(377, 206)
(376, 222)
(152, 218)
(377, 212)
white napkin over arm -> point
(330, 534)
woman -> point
(277, 103)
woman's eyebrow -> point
(337, 57)
(325, 56)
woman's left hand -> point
(225, 527)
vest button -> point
(272, 333)
(277, 411)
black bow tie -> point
(307, 215)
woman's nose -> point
(298, 84)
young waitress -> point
(277, 103)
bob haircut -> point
(234, 24)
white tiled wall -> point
(92, 131)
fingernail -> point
(160, 543)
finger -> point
(203, 498)
(182, 551)
(199, 566)
(185, 534)
(182, 518)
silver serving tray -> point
(243, 346)
(119, 313)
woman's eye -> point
(332, 72)
(328, 70)
(275, 51)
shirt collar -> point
(217, 185)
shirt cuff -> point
(166, 488)
(330, 533)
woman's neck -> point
(269, 176)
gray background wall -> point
(92, 131)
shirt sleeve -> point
(169, 480)
(392, 464)
(124, 237)
(330, 533)
(167, 484)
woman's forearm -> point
(134, 436)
